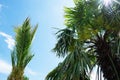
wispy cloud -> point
(5, 68)
(30, 72)
(1, 7)
(8, 39)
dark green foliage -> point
(65, 42)
(26, 78)
(89, 39)
(73, 67)
(108, 59)
(21, 55)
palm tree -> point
(76, 64)
(21, 54)
(91, 39)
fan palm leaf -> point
(96, 26)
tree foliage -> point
(89, 39)
(26, 78)
(21, 55)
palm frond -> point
(76, 66)
(21, 55)
(65, 42)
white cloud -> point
(1, 7)
(30, 72)
(9, 40)
(5, 68)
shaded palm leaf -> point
(76, 66)
(65, 42)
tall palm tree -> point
(95, 28)
(21, 54)
(76, 64)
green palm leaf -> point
(21, 55)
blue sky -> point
(47, 14)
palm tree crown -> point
(89, 39)
(21, 54)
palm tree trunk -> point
(16, 74)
